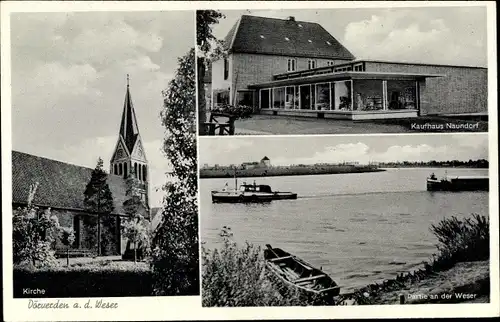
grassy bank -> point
(298, 170)
(236, 276)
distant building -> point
(297, 68)
(250, 165)
(265, 161)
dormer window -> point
(292, 64)
(328, 43)
(311, 63)
(287, 39)
(262, 36)
(309, 40)
(300, 26)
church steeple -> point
(129, 157)
(128, 127)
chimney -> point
(291, 18)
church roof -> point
(265, 158)
(128, 126)
(261, 35)
(61, 185)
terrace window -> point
(322, 96)
(290, 97)
(368, 95)
(292, 64)
(311, 64)
(401, 95)
(343, 96)
(279, 97)
(359, 68)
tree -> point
(67, 237)
(33, 233)
(135, 227)
(136, 230)
(175, 254)
(98, 198)
(205, 41)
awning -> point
(344, 76)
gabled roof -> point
(272, 36)
(128, 126)
(265, 158)
(61, 185)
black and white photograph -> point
(103, 149)
(343, 71)
(290, 221)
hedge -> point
(83, 281)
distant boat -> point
(249, 193)
(299, 274)
(458, 183)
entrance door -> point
(264, 98)
(305, 97)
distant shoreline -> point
(285, 171)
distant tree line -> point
(480, 163)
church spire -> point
(128, 127)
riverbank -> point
(300, 170)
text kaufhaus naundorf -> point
(58, 304)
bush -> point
(104, 279)
(238, 112)
(236, 276)
(463, 240)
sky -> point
(69, 82)
(333, 149)
(440, 35)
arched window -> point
(135, 169)
(120, 169)
(144, 175)
(116, 169)
(125, 170)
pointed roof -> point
(271, 36)
(128, 127)
(265, 158)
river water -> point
(360, 228)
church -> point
(61, 187)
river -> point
(360, 228)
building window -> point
(226, 69)
(125, 170)
(221, 98)
(292, 64)
(359, 68)
(330, 63)
(290, 97)
(144, 174)
(120, 169)
(322, 96)
(343, 96)
(116, 169)
(245, 98)
(368, 95)
(279, 97)
(311, 64)
(401, 95)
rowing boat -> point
(299, 274)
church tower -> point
(129, 158)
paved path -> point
(268, 124)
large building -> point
(61, 186)
(289, 67)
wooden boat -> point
(249, 193)
(299, 274)
(458, 183)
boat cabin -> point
(255, 188)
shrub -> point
(238, 112)
(102, 279)
(236, 276)
(463, 240)
(34, 233)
